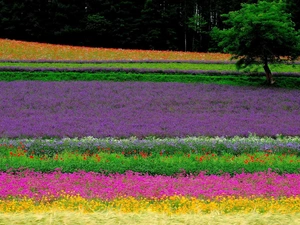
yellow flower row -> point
(169, 205)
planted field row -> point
(283, 81)
(156, 146)
(172, 205)
(21, 50)
(142, 71)
(128, 70)
(90, 62)
(124, 109)
(90, 185)
(209, 67)
(150, 163)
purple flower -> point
(124, 109)
(92, 185)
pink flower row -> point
(93, 185)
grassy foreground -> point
(110, 217)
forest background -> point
(177, 25)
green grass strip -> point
(236, 80)
(163, 66)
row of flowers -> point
(144, 66)
(12, 49)
(124, 109)
(167, 146)
(191, 61)
(91, 185)
(168, 205)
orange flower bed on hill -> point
(22, 50)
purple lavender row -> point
(92, 185)
(124, 109)
(142, 70)
(122, 61)
(131, 61)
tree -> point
(260, 33)
(196, 23)
(97, 29)
(151, 24)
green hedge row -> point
(240, 80)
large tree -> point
(260, 33)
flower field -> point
(79, 148)
(114, 109)
(20, 50)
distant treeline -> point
(131, 24)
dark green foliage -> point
(259, 33)
(148, 24)
(294, 9)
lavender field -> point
(124, 141)
(124, 109)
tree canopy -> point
(182, 25)
(259, 33)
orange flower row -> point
(21, 50)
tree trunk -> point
(268, 72)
